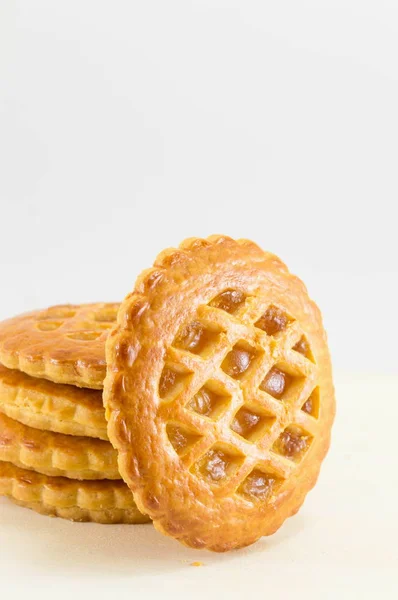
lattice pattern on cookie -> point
(239, 361)
(312, 404)
(218, 463)
(259, 485)
(65, 344)
(259, 404)
(293, 443)
(172, 382)
(252, 423)
(273, 320)
(221, 457)
(280, 384)
(211, 400)
(98, 501)
(56, 454)
(229, 300)
(181, 438)
(303, 347)
(196, 338)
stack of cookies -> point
(217, 386)
(55, 457)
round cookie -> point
(97, 501)
(65, 344)
(56, 454)
(219, 393)
(52, 406)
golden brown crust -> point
(64, 344)
(110, 516)
(98, 501)
(219, 393)
(52, 406)
(56, 454)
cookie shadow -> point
(84, 549)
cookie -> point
(219, 393)
(65, 344)
(98, 501)
(51, 406)
(56, 454)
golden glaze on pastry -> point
(98, 501)
(219, 393)
(55, 453)
(52, 406)
(64, 344)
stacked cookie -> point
(55, 456)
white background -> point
(126, 127)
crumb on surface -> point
(197, 564)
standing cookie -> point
(219, 393)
